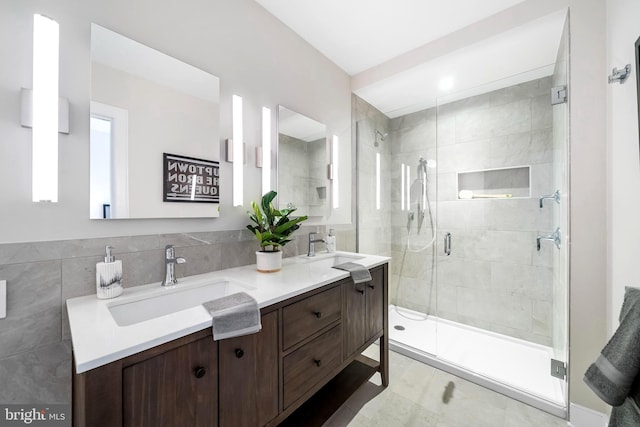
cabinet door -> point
(248, 385)
(375, 303)
(175, 388)
(353, 317)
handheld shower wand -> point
(422, 200)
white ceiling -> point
(362, 36)
(359, 34)
(522, 54)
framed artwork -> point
(190, 180)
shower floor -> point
(511, 366)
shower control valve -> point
(555, 196)
(554, 237)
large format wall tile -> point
(38, 376)
(33, 307)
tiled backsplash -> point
(35, 346)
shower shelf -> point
(495, 184)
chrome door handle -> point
(447, 243)
(554, 237)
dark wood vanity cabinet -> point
(167, 389)
(248, 377)
(364, 311)
(253, 380)
(191, 381)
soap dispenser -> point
(109, 276)
(331, 241)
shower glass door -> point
(396, 184)
(501, 273)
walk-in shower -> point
(471, 290)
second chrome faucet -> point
(170, 262)
(312, 244)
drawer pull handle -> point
(360, 291)
(239, 353)
(199, 372)
(318, 314)
(317, 362)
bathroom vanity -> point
(310, 333)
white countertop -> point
(97, 338)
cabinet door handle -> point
(239, 353)
(372, 286)
(199, 372)
(318, 314)
(317, 362)
(360, 291)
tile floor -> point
(421, 396)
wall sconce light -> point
(45, 110)
(265, 152)
(408, 187)
(335, 182)
(378, 181)
(402, 184)
(238, 151)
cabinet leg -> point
(384, 360)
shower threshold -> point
(510, 366)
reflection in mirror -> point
(143, 104)
(302, 163)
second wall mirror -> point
(302, 163)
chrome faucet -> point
(170, 262)
(312, 244)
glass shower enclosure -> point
(472, 195)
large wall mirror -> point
(302, 163)
(145, 106)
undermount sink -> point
(331, 260)
(163, 301)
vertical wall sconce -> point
(238, 151)
(266, 150)
(335, 188)
(378, 181)
(45, 110)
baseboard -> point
(581, 416)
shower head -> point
(379, 137)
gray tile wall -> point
(35, 342)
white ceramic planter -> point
(268, 262)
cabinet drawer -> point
(308, 316)
(310, 363)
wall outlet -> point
(3, 299)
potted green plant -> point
(273, 229)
